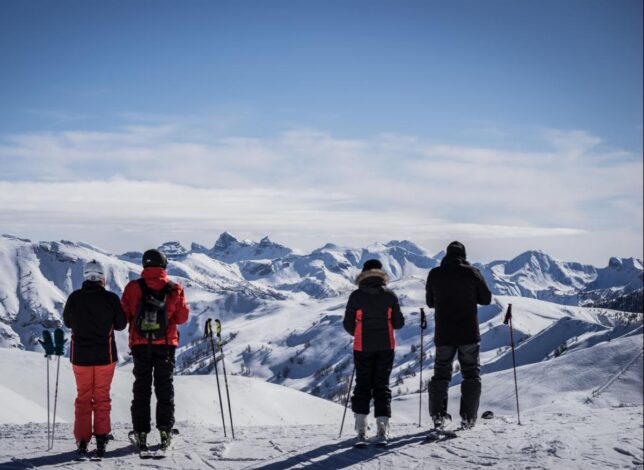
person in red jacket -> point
(93, 314)
(153, 350)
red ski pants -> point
(92, 397)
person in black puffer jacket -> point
(372, 315)
(454, 289)
(93, 314)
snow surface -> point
(565, 424)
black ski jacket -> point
(373, 313)
(454, 289)
(93, 314)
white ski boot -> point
(382, 425)
(361, 428)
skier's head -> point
(94, 271)
(154, 259)
(457, 250)
(372, 269)
(371, 264)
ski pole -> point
(208, 332)
(423, 325)
(47, 344)
(59, 350)
(508, 321)
(346, 402)
(48, 359)
(223, 366)
(53, 425)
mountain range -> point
(281, 310)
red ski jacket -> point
(178, 310)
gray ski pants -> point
(468, 358)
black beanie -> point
(371, 264)
(154, 259)
(456, 249)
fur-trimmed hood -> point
(372, 273)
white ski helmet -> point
(94, 271)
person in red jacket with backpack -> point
(153, 307)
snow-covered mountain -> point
(282, 311)
(537, 275)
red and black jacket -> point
(93, 314)
(373, 313)
(155, 278)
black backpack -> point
(151, 318)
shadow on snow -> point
(57, 459)
(342, 454)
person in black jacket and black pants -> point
(93, 314)
(371, 316)
(454, 289)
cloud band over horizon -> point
(152, 183)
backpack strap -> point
(144, 287)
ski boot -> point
(439, 422)
(81, 450)
(167, 441)
(382, 425)
(140, 441)
(467, 423)
(101, 445)
(439, 433)
(166, 438)
(361, 428)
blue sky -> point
(511, 125)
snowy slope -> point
(581, 410)
(254, 402)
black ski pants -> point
(373, 369)
(468, 358)
(153, 363)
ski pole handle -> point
(218, 328)
(508, 315)
(59, 342)
(423, 319)
(208, 328)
